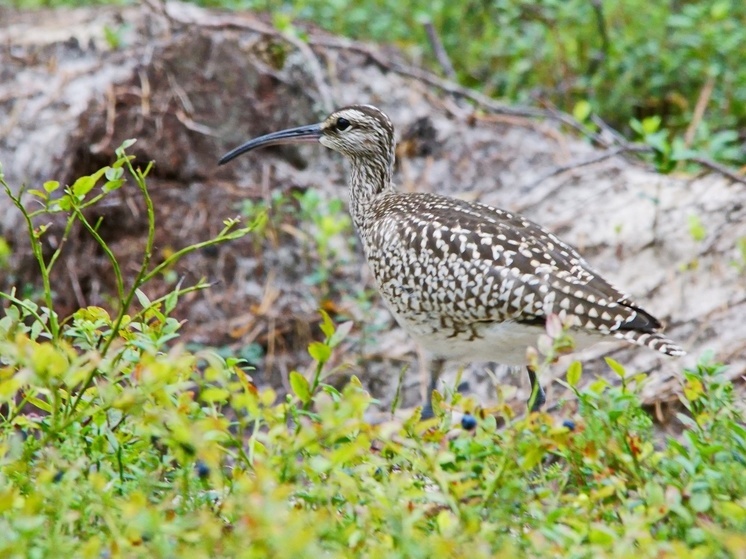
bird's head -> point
(359, 131)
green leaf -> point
(142, 298)
(112, 185)
(171, 300)
(319, 351)
(114, 173)
(636, 125)
(659, 142)
(696, 229)
(327, 325)
(340, 333)
(700, 502)
(65, 203)
(616, 367)
(51, 186)
(126, 144)
(582, 110)
(214, 394)
(85, 184)
(300, 386)
(574, 372)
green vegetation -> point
(115, 441)
(327, 231)
(624, 60)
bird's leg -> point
(437, 368)
(538, 397)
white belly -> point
(503, 342)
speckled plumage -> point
(468, 281)
(453, 272)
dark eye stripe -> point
(342, 124)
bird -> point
(468, 281)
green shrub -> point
(624, 60)
(628, 59)
(115, 441)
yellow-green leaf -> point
(9, 388)
(300, 386)
(601, 534)
(696, 228)
(319, 351)
(693, 389)
(327, 325)
(616, 367)
(582, 110)
(214, 394)
(38, 193)
(574, 372)
(51, 186)
(85, 184)
(41, 404)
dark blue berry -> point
(468, 422)
(203, 470)
(569, 423)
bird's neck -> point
(369, 179)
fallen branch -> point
(719, 168)
(439, 51)
(699, 111)
(627, 148)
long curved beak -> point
(310, 133)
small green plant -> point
(114, 36)
(696, 228)
(122, 336)
(329, 222)
(5, 251)
(324, 227)
(739, 263)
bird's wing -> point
(511, 268)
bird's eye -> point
(342, 124)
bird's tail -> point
(653, 340)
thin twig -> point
(719, 168)
(439, 50)
(111, 113)
(636, 148)
(597, 61)
(614, 135)
(699, 110)
(189, 124)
